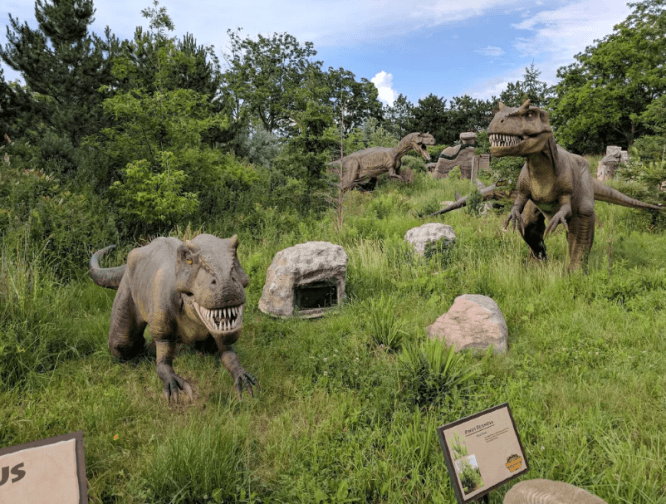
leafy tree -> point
(398, 119)
(358, 99)
(601, 96)
(304, 156)
(530, 88)
(140, 62)
(467, 114)
(166, 168)
(63, 65)
(430, 117)
(267, 77)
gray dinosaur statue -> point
(186, 293)
(367, 164)
(553, 183)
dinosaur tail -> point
(105, 277)
(604, 193)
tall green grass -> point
(338, 418)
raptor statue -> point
(367, 164)
(188, 292)
(553, 183)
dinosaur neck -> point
(545, 159)
(403, 147)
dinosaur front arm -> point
(516, 212)
(561, 216)
(230, 361)
(166, 351)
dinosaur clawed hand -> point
(517, 219)
(558, 218)
(244, 378)
(172, 386)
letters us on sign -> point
(16, 471)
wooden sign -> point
(482, 452)
(49, 471)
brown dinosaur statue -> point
(553, 183)
(368, 164)
(186, 293)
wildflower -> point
(115, 438)
(325, 359)
(325, 373)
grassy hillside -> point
(348, 407)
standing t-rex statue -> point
(553, 183)
(367, 164)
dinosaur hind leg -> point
(535, 225)
(580, 238)
(126, 332)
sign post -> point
(482, 452)
(49, 471)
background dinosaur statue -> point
(553, 183)
(186, 292)
(367, 164)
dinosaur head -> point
(519, 131)
(212, 284)
(420, 141)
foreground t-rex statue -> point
(367, 164)
(553, 183)
(186, 293)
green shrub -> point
(649, 148)
(474, 203)
(482, 143)
(430, 372)
(383, 325)
(416, 164)
(455, 173)
(60, 224)
(507, 168)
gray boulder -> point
(472, 322)
(420, 236)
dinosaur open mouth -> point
(497, 140)
(219, 320)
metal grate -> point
(316, 295)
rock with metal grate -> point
(305, 280)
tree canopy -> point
(601, 96)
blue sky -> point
(445, 47)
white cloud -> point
(490, 51)
(384, 83)
(552, 37)
(558, 34)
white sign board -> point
(49, 471)
(482, 452)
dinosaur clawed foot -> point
(173, 383)
(246, 379)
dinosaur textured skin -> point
(553, 183)
(185, 293)
(367, 164)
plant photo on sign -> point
(469, 474)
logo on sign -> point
(513, 463)
(16, 471)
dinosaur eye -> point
(189, 261)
